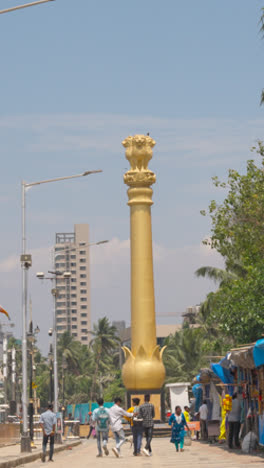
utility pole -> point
(5, 366)
(13, 356)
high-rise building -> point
(73, 312)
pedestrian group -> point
(141, 419)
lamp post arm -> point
(20, 7)
(31, 184)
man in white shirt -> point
(203, 414)
(116, 414)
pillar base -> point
(25, 444)
(157, 398)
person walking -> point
(203, 414)
(116, 414)
(147, 413)
(234, 419)
(48, 425)
(102, 419)
(136, 423)
(178, 423)
(91, 425)
(187, 413)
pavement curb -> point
(23, 459)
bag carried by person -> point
(188, 439)
(102, 418)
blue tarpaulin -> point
(258, 353)
(224, 374)
(198, 395)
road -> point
(164, 455)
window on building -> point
(73, 280)
(82, 243)
(60, 311)
(83, 299)
(82, 268)
(83, 315)
(82, 260)
(74, 311)
(83, 322)
(84, 338)
(61, 304)
(59, 258)
(82, 252)
(74, 334)
(83, 330)
(73, 288)
(73, 272)
(83, 307)
(83, 275)
(73, 295)
(74, 303)
(83, 283)
(60, 319)
(73, 257)
(83, 291)
(74, 319)
(73, 264)
(74, 327)
(60, 327)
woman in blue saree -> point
(178, 423)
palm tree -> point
(220, 276)
(216, 274)
(183, 357)
(68, 352)
(103, 344)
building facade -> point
(73, 311)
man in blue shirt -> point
(48, 424)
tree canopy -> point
(238, 235)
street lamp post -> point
(26, 262)
(31, 339)
(26, 5)
(50, 368)
(55, 294)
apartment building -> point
(73, 312)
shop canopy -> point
(246, 357)
(258, 353)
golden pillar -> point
(143, 369)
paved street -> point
(198, 455)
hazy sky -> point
(77, 77)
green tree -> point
(238, 235)
(238, 223)
(184, 355)
(238, 307)
(104, 344)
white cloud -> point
(197, 141)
